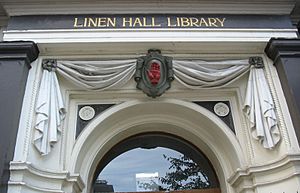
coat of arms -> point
(154, 73)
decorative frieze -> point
(154, 74)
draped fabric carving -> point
(89, 75)
(258, 105)
(260, 109)
(50, 112)
(97, 75)
(194, 74)
(198, 74)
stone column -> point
(15, 59)
(286, 56)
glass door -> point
(155, 165)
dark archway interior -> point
(153, 140)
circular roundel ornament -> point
(86, 113)
(221, 109)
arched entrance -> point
(188, 168)
(185, 120)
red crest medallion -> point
(154, 73)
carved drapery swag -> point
(197, 74)
(89, 75)
(50, 111)
(259, 106)
(194, 74)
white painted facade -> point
(241, 163)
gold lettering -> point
(145, 22)
(129, 21)
(137, 21)
(170, 23)
(111, 22)
(178, 21)
(212, 22)
(102, 22)
(194, 22)
(185, 22)
(202, 21)
(76, 23)
(85, 22)
(92, 22)
(221, 21)
(153, 22)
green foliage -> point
(152, 186)
(184, 175)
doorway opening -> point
(155, 162)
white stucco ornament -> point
(50, 112)
(260, 110)
(221, 109)
(86, 113)
(193, 74)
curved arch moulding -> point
(183, 119)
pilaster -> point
(286, 56)
(15, 59)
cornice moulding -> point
(26, 50)
(191, 6)
(283, 47)
(25, 172)
(267, 170)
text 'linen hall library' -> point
(193, 96)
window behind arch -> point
(154, 162)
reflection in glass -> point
(157, 169)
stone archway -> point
(156, 142)
(189, 121)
